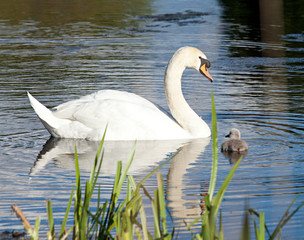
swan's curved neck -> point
(179, 108)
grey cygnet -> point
(234, 143)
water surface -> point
(61, 50)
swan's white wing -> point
(127, 115)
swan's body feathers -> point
(121, 112)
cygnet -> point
(234, 143)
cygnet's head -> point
(234, 134)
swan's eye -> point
(205, 61)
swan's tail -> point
(45, 115)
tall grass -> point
(126, 219)
(209, 229)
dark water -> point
(62, 50)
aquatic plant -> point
(260, 232)
(212, 205)
(127, 219)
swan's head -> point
(234, 133)
(194, 58)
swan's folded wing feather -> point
(124, 113)
(121, 115)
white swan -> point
(129, 116)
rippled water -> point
(59, 51)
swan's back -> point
(127, 116)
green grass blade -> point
(84, 212)
(93, 177)
(214, 150)
(35, 235)
(81, 211)
(219, 196)
(189, 229)
(63, 225)
(90, 185)
(162, 205)
(262, 226)
(98, 219)
(65, 236)
(119, 180)
(205, 230)
(132, 182)
(156, 217)
(198, 237)
(195, 221)
(203, 216)
(50, 219)
(129, 190)
(245, 235)
(144, 222)
(256, 229)
(99, 167)
(291, 215)
(108, 220)
(126, 169)
(119, 226)
(117, 177)
(221, 230)
(253, 212)
(286, 217)
(77, 201)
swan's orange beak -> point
(205, 72)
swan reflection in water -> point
(148, 155)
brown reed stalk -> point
(20, 215)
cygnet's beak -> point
(228, 135)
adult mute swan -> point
(129, 116)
